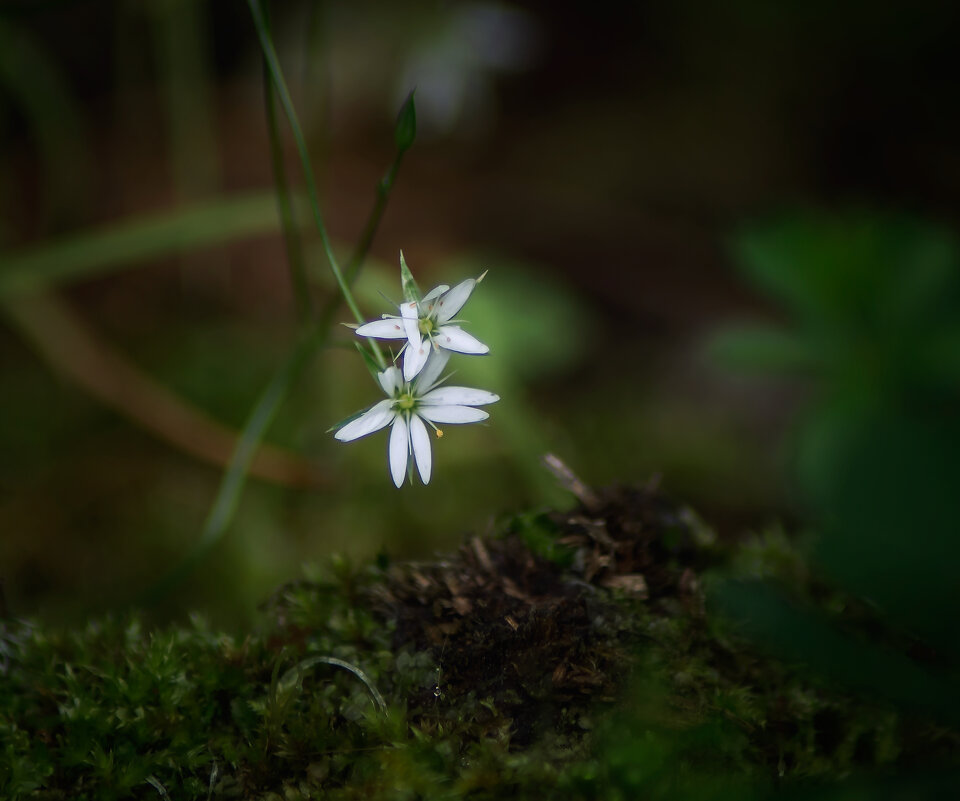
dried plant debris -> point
(544, 631)
(568, 655)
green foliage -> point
(874, 303)
(873, 300)
(539, 533)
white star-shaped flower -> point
(426, 325)
(407, 406)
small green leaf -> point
(370, 361)
(406, 129)
(411, 291)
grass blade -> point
(120, 246)
(231, 485)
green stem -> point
(373, 221)
(283, 95)
(291, 234)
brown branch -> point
(75, 351)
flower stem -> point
(283, 96)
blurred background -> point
(633, 178)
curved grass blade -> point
(294, 677)
(120, 245)
(231, 486)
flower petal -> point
(390, 380)
(452, 414)
(433, 294)
(390, 328)
(453, 300)
(458, 396)
(414, 358)
(453, 337)
(411, 323)
(375, 418)
(436, 361)
(420, 440)
(399, 450)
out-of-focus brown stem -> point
(64, 340)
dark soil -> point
(543, 636)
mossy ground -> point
(571, 655)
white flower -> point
(407, 406)
(426, 323)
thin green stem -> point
(283, 95)
(373, 221)
(291, 233)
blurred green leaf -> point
(764, 349)
(800, 634)
(852, 272)
(534, 326)
(887, 487)
(875, 300)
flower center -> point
(405, 402)
(426, 326)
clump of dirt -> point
(540, 633)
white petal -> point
(414, 359)
(390, 380)
(391, 328)
(433, 294)
(375, 418)
(453, 337)
(420, 440)
(453, 300)
(399, 450)
(452, 414)
(458, 396)
(436, 361)
(411, 323)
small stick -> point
(567, 479)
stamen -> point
(436, 430)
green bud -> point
(406, 129)
(368, 360)
(411, 291)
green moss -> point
(570, 656)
